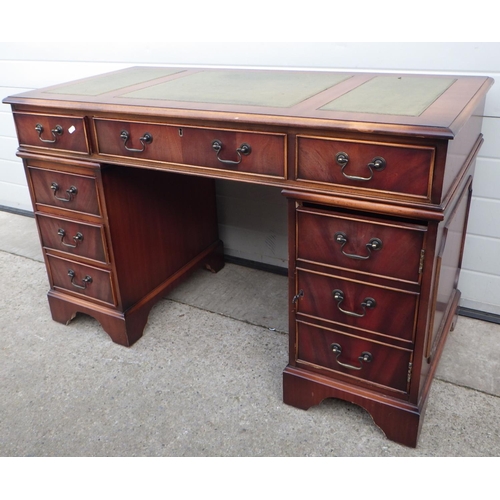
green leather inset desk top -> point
(386, 95)
(392, 95)
(281, 89)
(102, 84)
(419, 105)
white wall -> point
(25, 66)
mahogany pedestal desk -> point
(378, 172)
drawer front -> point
(73, 237)
(360, 244)
(356, 304)
(404, 170)
(65, 133)
(355, 357)
(244, 152)
(64, 190)
(83, 280)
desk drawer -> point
(399, 169)
(59, 189)
(73, 237)
(236, 151)
(56, 132)
(380, 363)
(385, 311)
(80, 279)
(362, 244)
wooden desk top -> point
(418, 105)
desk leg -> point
(399, 421)
(215, 261)
(123, 328)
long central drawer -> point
(237, 151)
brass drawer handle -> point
(145, 139)
(244, 150)
(78, 238)
(374, 244)
(298, 296)
(368, 303)
(72, 192)
(57, 131)
(86, 281)
(364, 357)
(378, 164)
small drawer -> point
(76, 238)
(355, 357)
(64, 190)
(369, 245)
(236, 151)
(365, 307)
(83, 280)
(65, 133)
(391, 168)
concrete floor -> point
(205, 379)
